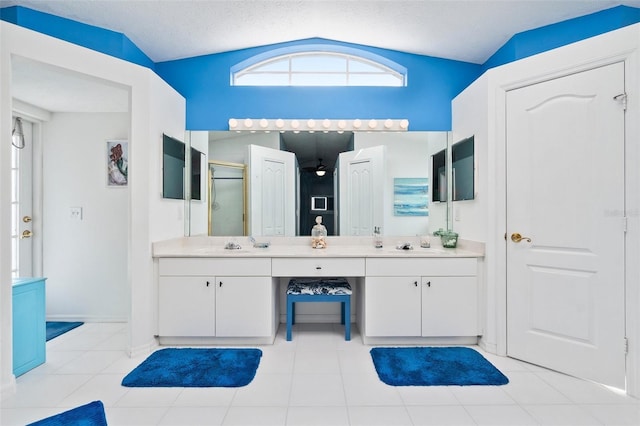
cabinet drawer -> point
(214, 266)
(442, 266)
(326, 267)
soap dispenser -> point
(377, 237)
(319, 234)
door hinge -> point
(622, 98)
(626, 345)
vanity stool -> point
(319, 290)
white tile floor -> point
(317, 379)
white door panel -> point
(361, 190)
(272, 190)
(565, 191)
(22, 204)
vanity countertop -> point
(285, 247)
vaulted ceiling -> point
(465, 30)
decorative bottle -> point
(319, 234)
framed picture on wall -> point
(410, 196)
(117, 161)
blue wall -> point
(211, 100)
(426, 100)
(549, 37)
(99, 39)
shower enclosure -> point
(227, 199)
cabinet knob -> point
(318, 267)
(415, 283)
(208, 283)
(220, 283)
(428, 283)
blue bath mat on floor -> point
(428, 366)
(91, 414)
(193, 368)
(56, 328)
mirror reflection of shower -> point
(227, 199)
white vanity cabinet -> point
(450, 306)
(393, 306)
(186, 306)
(420, 297)
(215, 297)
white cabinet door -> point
(449, 306)
(186, 306)
(244, 306)
(392, 306)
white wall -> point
(85, 261)
(7, 380)
(471, 120)
(408, 156)
(234, 148)
(481, 109)
(155, 108)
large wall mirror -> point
(407, 157)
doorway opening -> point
(317, 157)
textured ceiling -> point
(466, 30)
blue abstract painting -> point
(410, 196)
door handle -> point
(516, 238)
(26, 234)
(27, 219)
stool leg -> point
(342, 305)
(347, 319)
(289, 318)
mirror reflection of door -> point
(227, 199)
(361, 181)
(21, 199)
(272, 192)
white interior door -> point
(22, 203)
(361, 194)
(565, 191)
(272, 192)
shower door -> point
(227, 199)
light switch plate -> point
(75, 213)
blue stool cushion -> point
(328, 286)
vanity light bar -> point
(313, 125)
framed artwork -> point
(117, 163)
(410, 196)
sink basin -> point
(417, 250)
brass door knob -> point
(26, 219)
(516, 238)
(26, 234)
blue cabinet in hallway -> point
(29, 326)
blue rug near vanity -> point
(435, 366)
(91, 414)
(56, 328)
(188, 367)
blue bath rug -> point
(91, 414)
(196, 368)
(440, 366)
(56, 328)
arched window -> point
(315, 67)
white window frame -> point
(381, 66)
